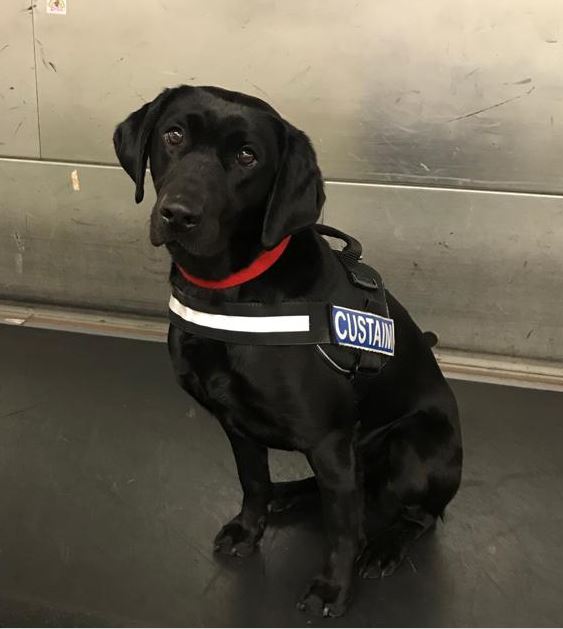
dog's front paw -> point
(325, 598)
(237, 539)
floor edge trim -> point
(456, 364)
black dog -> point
(233, 180)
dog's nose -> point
(179, 215)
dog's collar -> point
(256, 268)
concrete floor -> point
(113, 484)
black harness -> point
(352, 330)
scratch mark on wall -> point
(357, 157)
(521, 82)
(42, 54)
(18, 127)
(18, 258)
(298, 75)
(4, 47)
(211, 582)
(471, 73)
(502, 102)
(425, 167)
(405, 93)
(78, 222)
(140, 96)
(53, 66)
(405, 129)
(20, 242)
(259, 89)
(19, 411)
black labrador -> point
(234, 179)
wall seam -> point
(33, 7)
(330, 181)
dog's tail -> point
(431, 338)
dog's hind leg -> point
(415, 472)
(384, 552)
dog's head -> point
(230, 174)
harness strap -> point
(365, 336)
(353, 248)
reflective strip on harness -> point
(235, 323)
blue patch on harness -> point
(363, 330)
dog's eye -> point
(246, 157)
(174, 136)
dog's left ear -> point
(298, 195)
(131, 141)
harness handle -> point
(352, 249)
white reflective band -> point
(290, 323)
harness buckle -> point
(367, 282)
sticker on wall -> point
(75, 180)
(57, 7)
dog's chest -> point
(278, 396)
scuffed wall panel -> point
(465, 94)
(88, 247)
(483, 270)
(19, 133)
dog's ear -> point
(131, 141)
(297, 196)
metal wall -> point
(399, 92)
(19, 131)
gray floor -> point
(113, 483)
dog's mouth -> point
(158, 237)
(170, 240)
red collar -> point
(260, 265)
